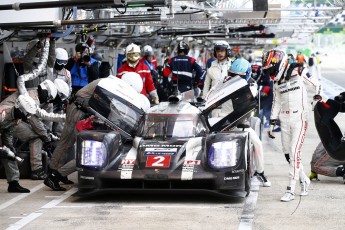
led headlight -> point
(93, 153)
(224, 154)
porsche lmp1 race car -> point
(174, 146)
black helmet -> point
(183, 47)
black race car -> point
(174, 146)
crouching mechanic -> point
(33, 129)
(290, 106)
(241, 67)
(8, 160)
(76, 111)
(322, 163)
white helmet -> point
(134, 80)
(147, 50)
(132, 53)
(144, 101)
(63, 89)
(50, 87)
(61, 56)
(26, 104)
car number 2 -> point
(158, 161)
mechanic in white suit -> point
(290, 105)
(219, 67)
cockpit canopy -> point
(163, 126)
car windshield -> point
(172, 125)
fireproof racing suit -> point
(322, 163)
(182, 68)
(215, 73)
(290, 105)
(33, 131)
(145, 74)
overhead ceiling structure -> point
(251, 22)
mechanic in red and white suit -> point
(290, 105)
(133, 64)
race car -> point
(175, 146)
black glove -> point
(18, 114)
(273, 122)
(287, 157)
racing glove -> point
(316, 99)
(273, 122)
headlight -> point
(224, 154)
(93, 153)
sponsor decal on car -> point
(158, 161)
(160, 151)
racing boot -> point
(313, 175)
(38, 174)
(14, 186)
(304, 186)
(263, 179)
(63, 179)
(288, 196)
(52, 181)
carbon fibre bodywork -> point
(175, 149)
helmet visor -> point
(133, 56)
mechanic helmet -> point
(148, 51)
(144, 101)
(240, 67)
(47, 91)
(63, 90)
(221, 45)
(26, 104)
(132, 53)
(183, 47)
(273, 63)
(134, 80)
(61, 58)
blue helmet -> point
(240, 67)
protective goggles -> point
(61, 62)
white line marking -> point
(247, 216)
(21, 223)
(167, 206)
(21, 196)
(32, 216)
(61, 198)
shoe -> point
(304, 187)
(288, 196)
(313, 175)
(52, 182)
(276, 130)
(38, 174)
(266, 125)
(61, 178)
(261, 177)
(14, 186)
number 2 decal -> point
(158, 161)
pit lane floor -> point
(323, 208)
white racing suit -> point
(290, 105)
(322, 163)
